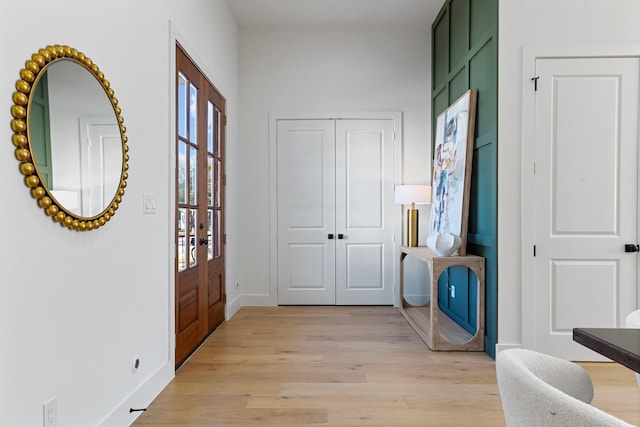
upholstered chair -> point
(537, 389)
(633, 321)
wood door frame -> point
(177, 39)
(205, 278)
(272, 297)
(529, 57)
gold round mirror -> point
(70, 138)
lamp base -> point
(412, 227)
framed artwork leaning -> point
(453, 153)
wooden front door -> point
(200, 136)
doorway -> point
(103, 147)
(199, 228)
(335, 227)
(584, 204)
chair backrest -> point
(537, 389)
(633, 321)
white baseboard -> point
(415, 298)
(233, 307)
(140, 398)
(502, 347)
(259, 301)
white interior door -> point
(306, 212)
(101, 145)
(586, 198)
(335, 212)
(364, 212)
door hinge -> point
(534, 250)
(224, 179)
(225, 120)
(535, 82)
(224, 298)
(224, 239)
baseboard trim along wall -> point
(140, 397)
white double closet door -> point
(335, 212)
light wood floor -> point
(345, 366)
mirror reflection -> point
(75, 138)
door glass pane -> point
(210, 234)
(193, 114)
(182, 173)
(210, 127)
(182, 105)
(218, 133)
(193, 253)
(217, 235)
(217, 183)
(210, 183)
(193, 176)
(182, 239)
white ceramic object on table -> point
(443, 244)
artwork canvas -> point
(452, 168)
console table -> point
(435, 328)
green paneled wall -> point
(465, 56)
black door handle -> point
(630, 247)
(340, 236)
(204, 242)
(330, 236)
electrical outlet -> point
(51, 413)
(453, 291)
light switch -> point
(148, 203)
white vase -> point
(444, 244)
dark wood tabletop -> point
(618, 344)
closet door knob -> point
(340, 236)
(330, 236)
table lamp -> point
(414, 195)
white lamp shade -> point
(407, 194)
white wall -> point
(323, 70)
(526, 24)
(77, 307)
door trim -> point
(272, 297)
(529, 57)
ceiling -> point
(336, 13)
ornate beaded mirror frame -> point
(73, 204)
